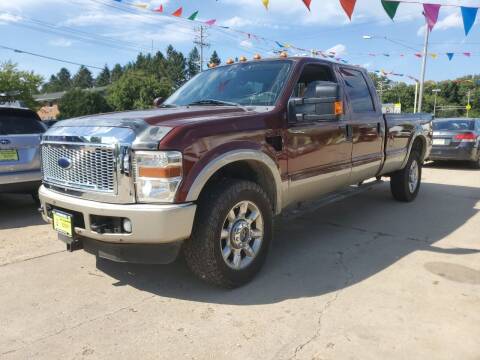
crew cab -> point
(205, 173)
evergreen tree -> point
(83, 78)
(116, 73)
(103, 79)
(64, 79)
(215, 59)
(176, 66)
(193, 63)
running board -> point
(346, 193)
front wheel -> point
(405, 183)
(231, 233)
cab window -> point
(312, 74)
(357, 90)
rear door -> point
(367, 125)
(20, 133)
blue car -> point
(456, 139)
(20, 133)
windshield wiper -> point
(213, 102)
(168, 106)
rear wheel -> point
(405, 183)
(231, 233)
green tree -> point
(78, 102)
(83, 78)
(176, 66)
(116, 73)
(103, 79)
(215, 59)
(62, 81)
(136, 89)
(193, 63)
(18, 85)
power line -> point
(48, 57)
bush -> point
(136, 90)
(77, 102)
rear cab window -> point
(19, 123)
(357, 90)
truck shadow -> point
(451, 165)
(327, 249)
(18, 211)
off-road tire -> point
(399, 180)
(202, 251)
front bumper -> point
(464, 152)
(151, 224)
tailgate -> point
(19, 152)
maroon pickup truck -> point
(205, 173)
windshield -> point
(452, 125)
(257, 84)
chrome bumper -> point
(151, 224)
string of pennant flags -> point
(283, 46)
(430, 10)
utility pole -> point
(416, 97)
(435, 91)
(424, 66)
(201, 41)
(468, 103)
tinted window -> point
(452, 125)
(15, 125)
(357, 90)
(257, 83)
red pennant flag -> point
(348, 6)
(210, 22)
(468, 54)
(178, 12)
(307, 3)
(159, 9)
(419, 55)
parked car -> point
(456, 139)
(206, 172)
(20, 133)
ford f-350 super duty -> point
(204, 173)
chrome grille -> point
(91, 167)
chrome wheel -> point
(242, 235)
(413, 176)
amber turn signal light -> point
(338, 107)
(162, 173)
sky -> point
(99, 32)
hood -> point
(142, 130)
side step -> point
(334, 197)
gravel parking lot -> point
(364, 278)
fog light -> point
(127, 226)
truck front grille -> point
(89, 168)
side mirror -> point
(321, 102)
(158, 101)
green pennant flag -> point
(193, 16)
(390, 7)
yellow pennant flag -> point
(265, 3)
(141, 5)
(433, 55)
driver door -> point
(319, 151)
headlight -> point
(157, 175)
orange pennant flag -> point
(178, 12)
(307, 3)
(348, 6)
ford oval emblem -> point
(4, 141)
(64, 163)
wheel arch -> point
(251, 165)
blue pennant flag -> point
(450, 56)
(469, 15)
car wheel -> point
(405, 183)
(231, 234)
